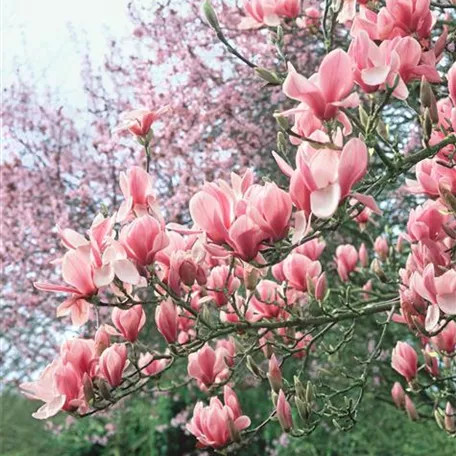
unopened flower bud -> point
(210, 15)
(398, 395)
(252, 366)
(274, 374)
(309, 392)
(427, 124)
(439, 419)
(251, 276)
(269, 76)
(303, 409)
(450, 418)
(363, 116)
(410, 409)
(428, 100)
(282, 121)
(299, 388)
(321, 287)
(377, 269)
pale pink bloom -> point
(450, 418)
(184, 269)
(347, 12)
(430, 175)
(274, 374)
(222, 284)
(381, 247)
(326, 91)
(399, 18)
(299, 270)
(310, 18)
(425, 222)
(270, 208)
(112, 363)
(139, 121)
(217, 425)
(445, 286)
(283, 411)
(230, 348)
(410, 408)
(325, 177)
(208, 366)
(129, 321)
(102, 339)
(346, 259)
(268, 12)
(445, 340)
(312, 249)
(363, 256)
(398, 395)
(150, 366)
(115, 263)
(267, 301)
(367, 287)
(246, 237)
(143, 238)
(60, 387)
(77, 272)
(81, 354)
(404, 18)
(404, 360)
(166, 319)
(137, 188)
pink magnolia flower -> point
(430, 175)
(137, 188)
(81, 354)
(405, 18)
(77, 272)
(381, 247)
(129, 321)
(274, 374)
(410, 408)
(139, 121)
(217, 425)
(267, 302)
(283, 411)
(445, 340)
(150, 366)
(112, 363)
(325, 177)
(143, 238)
(268, 12)
(311, 18)
(393, 63)
(327, 91)
(445, 286)
(270, 208)
(299, 270)
(399, 18)
(208, 366)
(321, 287)
(221, 284)
(62, 383)
(346, 259)
(425, 222)
(115, 263)
(398, 395)
(363, 256)
(166, 319)
(404, 360)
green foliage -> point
(142, 427)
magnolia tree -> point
(247, 291)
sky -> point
(45, 38)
